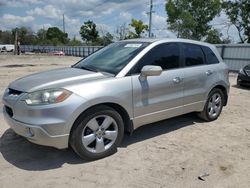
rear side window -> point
(210, 56)
(193, 55)
(164, 55)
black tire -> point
(205, 115)
(80, 127)
(238, 82)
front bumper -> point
(47, 125)
(37, 134)
(243, 80)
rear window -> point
(193, 55)
(210, 56)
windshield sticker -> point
(134, 45)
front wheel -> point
(213, 106)
(97, 133)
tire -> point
(97, 133)
(213, 106)
(238, 82)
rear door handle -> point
(209, 72)
(177, 80)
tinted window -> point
(210, 56)
(164, 55)
(112, 58)
(193, 55)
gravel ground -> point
(171, 153)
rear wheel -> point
(213, 106)
(97, 133)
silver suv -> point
(118, 88)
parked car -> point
(59, 53)
(7, 47)
(119, 88)
(243, 78)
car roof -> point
(166, 40)
(152, 40)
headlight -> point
(241, 71)
(50, 96)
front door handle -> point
(177, 80)
(209, 72)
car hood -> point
(55, 79)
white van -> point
(7, 47)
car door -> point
(158, 97)
(198, 77)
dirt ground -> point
(171, 153)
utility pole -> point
(63, 24)
(16, 42)
(150, 18)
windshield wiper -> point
(89, 69)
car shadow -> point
(28, 156)
(163, 127)
(241, 87)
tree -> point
(213, 37)
(6, 37)
(74, 42)
(122, 32)
(190, 18)
(138, 27)
(104, 40)
(25, 35)
(89, 32)
(57, 36)
(41, 34)
(238, 12)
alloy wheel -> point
(99, 134)
(214, 105)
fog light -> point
(30, 133)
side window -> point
(210, 56)
(193, 55)
(164, 55)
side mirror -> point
(150, 70)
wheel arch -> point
(128, 124)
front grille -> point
(14, 92)
(9, 111)
(248, 72)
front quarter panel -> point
(110, 90)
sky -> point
(107, 14)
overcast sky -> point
(107, 14)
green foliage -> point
(190, 18)
(25, 35)
(104, 40)
(238, 12)
(89, 32)
(213, 37)
(122, 32)
(41, 34)
(74, 42)
(138, 27)
(6, 37)
(56, 36)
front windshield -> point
(112, 58)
